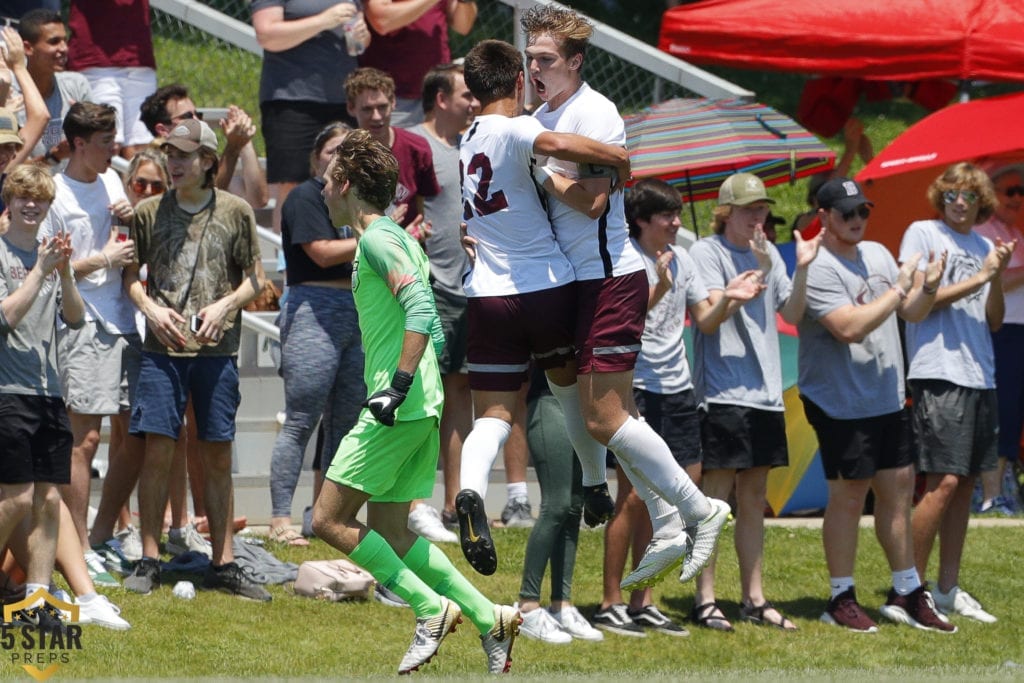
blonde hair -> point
(29, 181)
(719, 217)
(570, 30)
(968, 177)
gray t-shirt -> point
(953, 343)
(71, 87)
(662, 367)
(448, 261)
(863, 379)
(28, 352)
(312, 71)
(739, 364)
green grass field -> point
(219, 636)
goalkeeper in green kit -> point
(390, 456)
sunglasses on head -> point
(862, 211)
(141, 186)
(1014, 191)
(950, 196)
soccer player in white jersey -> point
(612, 290)
(520, 292)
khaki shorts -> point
(98, 370)
(390, 464)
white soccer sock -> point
(31, 588)
(592, 453)
(665, 518)
(480, 450)
(840, 584)
(905, 581)
(516, 489)
(640, 447)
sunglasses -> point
(950, 196)
(1014, 191)
(188, 115)
(862, 211)
(143, 186)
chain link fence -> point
(219, 73)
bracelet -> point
(930, 291)
(900, 291)
(106, 258)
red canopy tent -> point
(907, 40)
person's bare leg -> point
(125, 464)
(177, 485)
(334, 516)
(85, 430)
(15, 504)
(751, 489)
(42, 534)
(928, 514)
(456, 421)
(894, 492)
(953, 533)
(195, 463)
(992, 481)
(642, 534)
(617, 536)
(153, 491)
(715, 484)
(839, 529)
(219, 497)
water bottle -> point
(353, 42)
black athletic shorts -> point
(35, 440)
(674, 418)
(857, 449)
(740, 438)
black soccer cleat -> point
(475, 533)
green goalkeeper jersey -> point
(390, 284)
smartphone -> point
(194, 323)
(123, 233)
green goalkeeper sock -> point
(377, 557)
(430, 563)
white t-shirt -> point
(995, 229)
(662, 367)
(861, 379)
(739, 364)
(82, 210)
(516, 252)
(596, 248)
(953, 343)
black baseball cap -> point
(842, 194)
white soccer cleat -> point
(705, 536)
(663, 555)
(428, 636)
(498, 641)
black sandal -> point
(710, 616)
(755, 615)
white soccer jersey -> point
(516, 250)
(596, 248)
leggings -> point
(555, 535)
(322, 366)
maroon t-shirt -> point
(410, 52)
(415, 171)
(107, 33)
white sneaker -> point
(498, 642)
(187, 538)
(574, 623)
(540, 625)
(425, 521)
(98, 570)
(131, 543)
(662, 556)
(959, 601)
(101, 612)
(705, 537)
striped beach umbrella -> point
(695, 144)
